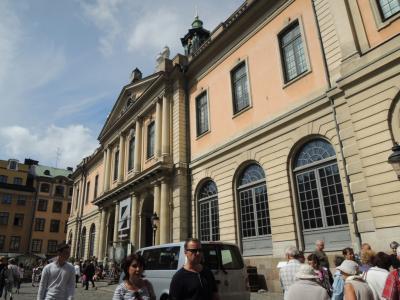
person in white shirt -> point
(77, 273)
(287, 274)
(376, 275)
(58, 277)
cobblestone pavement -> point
(105, 292)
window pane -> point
(247, 213)
(131, 153)
(314, 151)
(150, 139)
(202, 114)
(161, 258)
(239, 88)
(389, 8)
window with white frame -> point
(18, 220)
(45, 188)
(92, 236)
(202, 113)
(3, 179)
(82, 243)
(208, 212)
(240, 89)
(6, 199)
(150, 139)
(253, 200)
(17, 180)
(96, 187)
(51, 246)
(13, 164)
(4, 218)
(36, 245)
(15, 243)
(39, 224)
(388, 8)
(59, 191)
(21, 200)
(292, 52)
(319, 187)
(87, 192)
(116, 163)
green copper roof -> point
(51, 172)
(197, 23)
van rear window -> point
(220, 256)
(161, 258)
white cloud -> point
(104, 14)
(74, 143)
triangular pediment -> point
(127, 97)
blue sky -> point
(63, 64)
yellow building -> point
(17, 196)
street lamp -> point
(154, 221)
(394, 159)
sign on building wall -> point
(124, 214)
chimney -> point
(31, 162)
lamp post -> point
(154, 221)
(394, 159)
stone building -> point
(294, 108)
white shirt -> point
(57, 283)
(287, 275)
(77, 270)
(376, 279)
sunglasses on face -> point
(199, 250)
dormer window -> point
(13, 164)
(46, 172)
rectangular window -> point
(69, 208)
(3, 218)
(3, 179)
(52, 246)
(21, 200)
(77, 198)
(15, 243)
(165, 258)
(39, 224)
(116, 162)
(18, 219)
(388, 8)
(42, 205)
(131, 159)
(59, 191)
(13, 164)
(45, 188)
(150, 139)
(36, 245)
(57, 206)
(240, 91)
(6, 199)
(70, 192)
(87, 193)
(292, 51)
(2, 241)
(202, 113)
(96, 186)
(54, 226)
(18, 180)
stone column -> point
(102, 233)
(138, 146)
(158, 130)
(157, 208)
(116, 223)
(134, 221)
(164, 213)
(165, 143)
(107, 171)
(121, 159)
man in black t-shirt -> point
(193, 281)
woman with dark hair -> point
(323, 275)
(134, 286)
(348, 253)
(377, 274)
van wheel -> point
(164, 297)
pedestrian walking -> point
(306, 286)
(134, 286)
(355, 287)
(14, 273)
(77, 273)
(193, 281)
(287, 274)
(3, 267)
(89, 271)
(58, 277)
(21, 272)
(391, 291)
(8, 277)
(377, 274)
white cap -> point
(349, 267)
(306, 272)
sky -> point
(63, 64)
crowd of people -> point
(11, 276)
(368, 275)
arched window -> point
(92, 235)
(254, 212)
(208, 212)
(83, 243)
(319, 189)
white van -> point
(225, 261)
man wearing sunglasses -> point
(193, 281)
